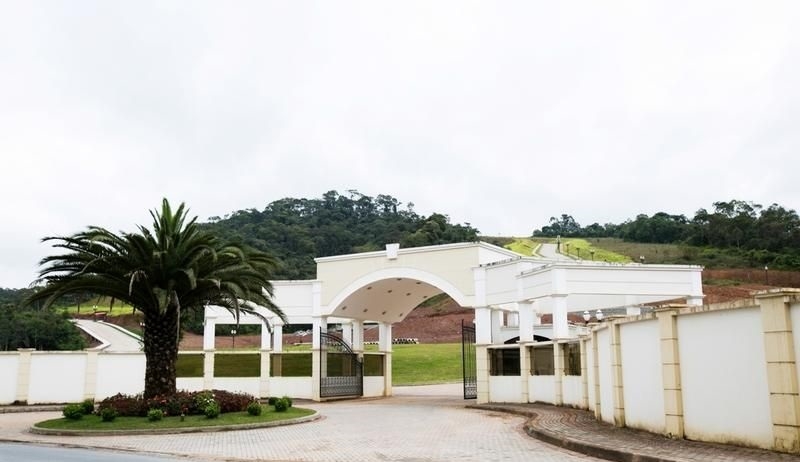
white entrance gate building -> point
(509, 293)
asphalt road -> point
(11, 452)
(118, 341)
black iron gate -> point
(468, 361)
(341, 373)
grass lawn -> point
(583, 249)
(653, 253)
(426, 364)
(93, 422)
(524, 246)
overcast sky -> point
(497, 113)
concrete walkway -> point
(117, 338)
(550, 251)
(580, 431)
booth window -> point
(504, 361)
(542, 360)
(572, 359)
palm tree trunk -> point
(161, 353)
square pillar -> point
(497, 325)
(558, 372)
(560, 325)
(208, 369)
(524, 370)
(616, 376)
(584, 374)
(266, 337)
(347, 333)
(385, 337)
(671, 372)
(24, 374)
(482, 373)
(90, 380)
(209, 332)
(263, 380)
(483, 325)
(595, 406)
(781, 362)
(277, 334)
(525, 322)
(358, 335)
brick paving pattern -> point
(580, 431)
(403, 428)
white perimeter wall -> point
(119, 373)
(374, 386)
(9, 369)
(642, 376)
(296, 387)
(542, 389)
(505, 389)
(604, 375)
(57, 377)
(572, 390)
(724, 377)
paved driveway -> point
(418, 424)
(118, 340)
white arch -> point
(403, 272)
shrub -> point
(272, 399)
(203, 399)
(126, 405)
(288, 400)
(73, 411)
(232, 402)
(254, 408)
(88, 406)
(212, 410)
(154, 415)
(108, 414)
(281, 405)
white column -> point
(318, 324)
(277, 334)
(525, 322)
(209, 328)
(483, 325)
(347, 333)
(497, 326)
(560, 326)
(358, 335)
(208, 369)
(90, 379)
(384, 337)
(24, 373)
(266, 338)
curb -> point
(173, 431)
(601, 452)
(31, 408)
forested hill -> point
(756, 234)
(298, 230)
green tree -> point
(173, 268)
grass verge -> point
(93, 422)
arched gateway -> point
(509, 293)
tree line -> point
(295, 231)
(765, 235)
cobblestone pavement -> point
(579, 430)
(417, 424)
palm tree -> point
(163, 272)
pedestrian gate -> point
(468, 361)
(341, 372)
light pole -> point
(233, 338)
(592, 252)
(598, 314)
(586, 316)
(578, 249)
(766, 274)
